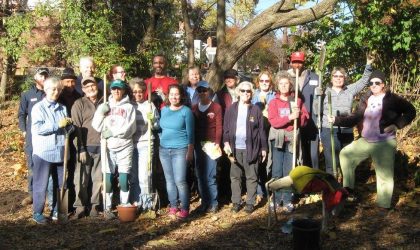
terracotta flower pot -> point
(127, 213)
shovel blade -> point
(63, 206)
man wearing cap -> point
(28, 99)
(87, 69)
(159, 81)
(88, 165)
(227, 95)
(309, 91)
(380, 114)
(208, 130)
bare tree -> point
(281, 14)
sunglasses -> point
(201, 90)
(374, 83)
(338, 76)
(245, 90)
(267, 81)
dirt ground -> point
(359, 226)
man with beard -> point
(160, 81)
(88, 167)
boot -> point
(124, 198)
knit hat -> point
(68, 73)
(378, 74)
(230, 73)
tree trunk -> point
(214, 75)
(150, 34)
(281, 14)
(4, 79)
(189, 35)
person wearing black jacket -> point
(379, 115)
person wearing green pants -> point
(380, 113)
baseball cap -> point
(42, 70)
(297, 56)
(87, 80)
(203, 84)
(118, 84)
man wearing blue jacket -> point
(28, 99)
(308, 86)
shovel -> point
(63, 194)
(153, 193)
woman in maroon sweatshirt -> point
(281, 114)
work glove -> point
(103, 108)
(64, 122)
(83, 157)
(390, 129)
(318, 91)
(150, 116)
(227, 149)
(106, 134)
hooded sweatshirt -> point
(121, 120)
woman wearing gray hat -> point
(380, 114)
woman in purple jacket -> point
(244, 142)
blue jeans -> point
(174, 164)
(140, 177)
(41, 173)
(205, 170)
(282, 165)
(340, 141)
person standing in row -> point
(208, 131)
(88, 166)
(50, 123)
(117, 123)
(282, 111)
(176, 150)
(140, 186)
(87, 68)
(309, 92)
(27, 101)
(245, 140)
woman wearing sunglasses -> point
(264, 93)
(380, 113)
(342, 95)
(245, 140)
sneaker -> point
(172, 212)
(109, 215)
(182, 214)
(54, 216)
(80, 212)
(93, 212)
(201, 209)
(27, 201)
(288, 208)
(39, 218)
(213, 209)
(235, 207)
(249, 208)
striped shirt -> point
(47, 138)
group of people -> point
(250, 129)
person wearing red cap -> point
(308, 86)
